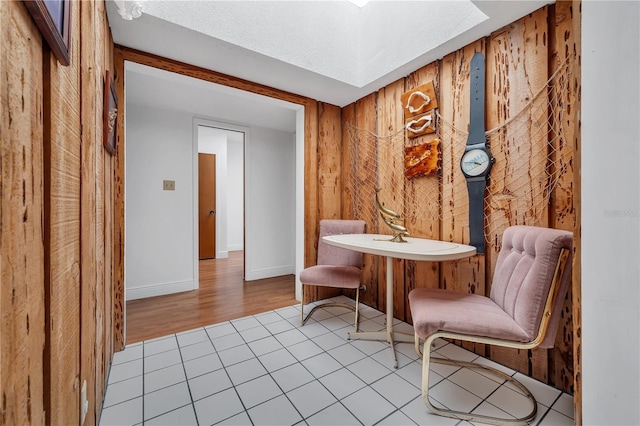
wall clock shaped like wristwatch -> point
(477, 160)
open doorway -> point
(221, 189)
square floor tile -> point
(202, 365)
(554, 418)
(417, 411)
(291, 337)
(304, 350)
(126, 413)
(219, 330)
(276, 360)
(268, 317)
(334, 415)
(228, 341)
(564, 405)
(156, 346)
(289, 312)
(279, 326)
(191, 337)
(245, 323)
(342, 383)
(475, 383)
(452, 351)
(291, 377)
(277, 411)
(369, 347)
(454, 397)
(209, 383)
(545, 395)
(165, 400)
(510, 401)
(126, 370)
(184, 416)
(397, 418)
(313, 329)
(162, 360)
(346, 354)
(412, 373)
(328, 341)
(235, 355)
(241, 419)
(218, 407)
(368, 406)
(255, 333)
(130, 353)
(196, 350)
(264, 346)
(396, 390)
(258, 390)
(123, 391)
(321, 365)
(368, 370)
(164, 377)
(311, 398)
(245, 371)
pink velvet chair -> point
(336, 267)
(532, 275)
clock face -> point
(475, 162)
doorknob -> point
(212, 212)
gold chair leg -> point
(304, 319)
(460, 414)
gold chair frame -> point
(304, 319)
(542, 329)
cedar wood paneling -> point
(55, 288)
(61, 259)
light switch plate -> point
(169, 185)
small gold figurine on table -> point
(389, 217)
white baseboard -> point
(278, 271)
(235, 247)
(133, 293)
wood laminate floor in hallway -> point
(223, 295)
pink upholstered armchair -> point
(336, 267)
(532, 275)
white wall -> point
(271, 183)
(160, 235)
(610, 213)
(235, 194)
(159, 239)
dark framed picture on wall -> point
(110, 114)
(53, 18)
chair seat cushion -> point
(435, 310)
(331, 276)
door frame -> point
(208, 122)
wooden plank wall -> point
(56, 188)
(519, 58)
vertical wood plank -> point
(22, 323)
(329, 160)
(366, 118)
(348, 117)
(118, 211)
(311, 219)
(392, 181)
(63, 174)
(90, 70)
(424, 217)
(516, 69)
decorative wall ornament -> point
(53, 18)
(419, 110)
(130, 9)
(421, 125)
(422, 159)
(110, 114)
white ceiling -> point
(332, 51)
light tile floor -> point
(268, 370)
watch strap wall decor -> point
(477, 139)
(476, 107)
